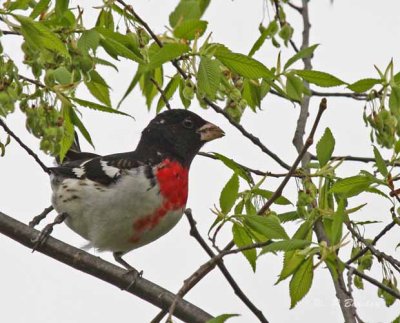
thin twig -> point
(373, 281)
(308, 143)
(374, 241)
(186, 287)
(9, 32)
(22, 77)
(97, 267)
(163, 96)
(25, 147)
(216, 108)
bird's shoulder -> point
(104, 170)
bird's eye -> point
(187, 123)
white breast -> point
(105, 215)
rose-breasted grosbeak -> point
(123, 201)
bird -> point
(124, 201)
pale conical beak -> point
(210, 132)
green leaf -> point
(134, 82)
(268, 226)
(363, 85)
(380, 163)
(185, 10)
(337, 223)
(304, 53)
(394, 100)
(325, 147)
(190, 29)
(61, 7)
(229, 194)
(40, 7)
(68, 137)
(78, 123)
(294, 87)
(239, 170)
(221, 318)
(208, 77)
(285, 245)
(98, 107)
(251, 93)
(301, 282)
(288, 216)
(242, 239)
(351, 186)
(242, 64)
(89, 40)
(165, 54)
(98, 88)
(39, 36)
(291, 261)
(115, 49)
(62, 75)
(169, 91)
(321, 79)
(104, 62)
(281, 200)
(270, 31)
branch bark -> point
(102, 269)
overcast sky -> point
(354, 35)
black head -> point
(178, 134)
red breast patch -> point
(172, 179)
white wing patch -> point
(110, 171)
(78, 171)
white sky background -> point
(354, 35)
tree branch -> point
(101, 269)
(25, 147)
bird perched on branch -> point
(123, 201)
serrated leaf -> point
(40, 7)
(115, 49)
(39, 36)
(229, 194)
(235, 167)
(222, 318)
(62, 75)
(294, 87)
(89, 40)
(98, 107)
(169, 91)
(303, 53)
(270, 31)
(268, 226)
(351, 186)
(208, 77)
(325, 147)
(104, 62)
(319, 78)
(336, 228)
(76, 121)
(242, 64)
(363, 85)
(380, 163)
(394, 100)
(285, 245)
(185, 10)
(98, 87)
(134, 82)
(190, 29)
(291, 262)
(165, 54)
(301, 282)
(61, 7)
(251, 93)
(288, 216)
(281, 200)
(242, 239)
(68, 136)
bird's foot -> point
(130, 271)
(47, 230)
(36, 220)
